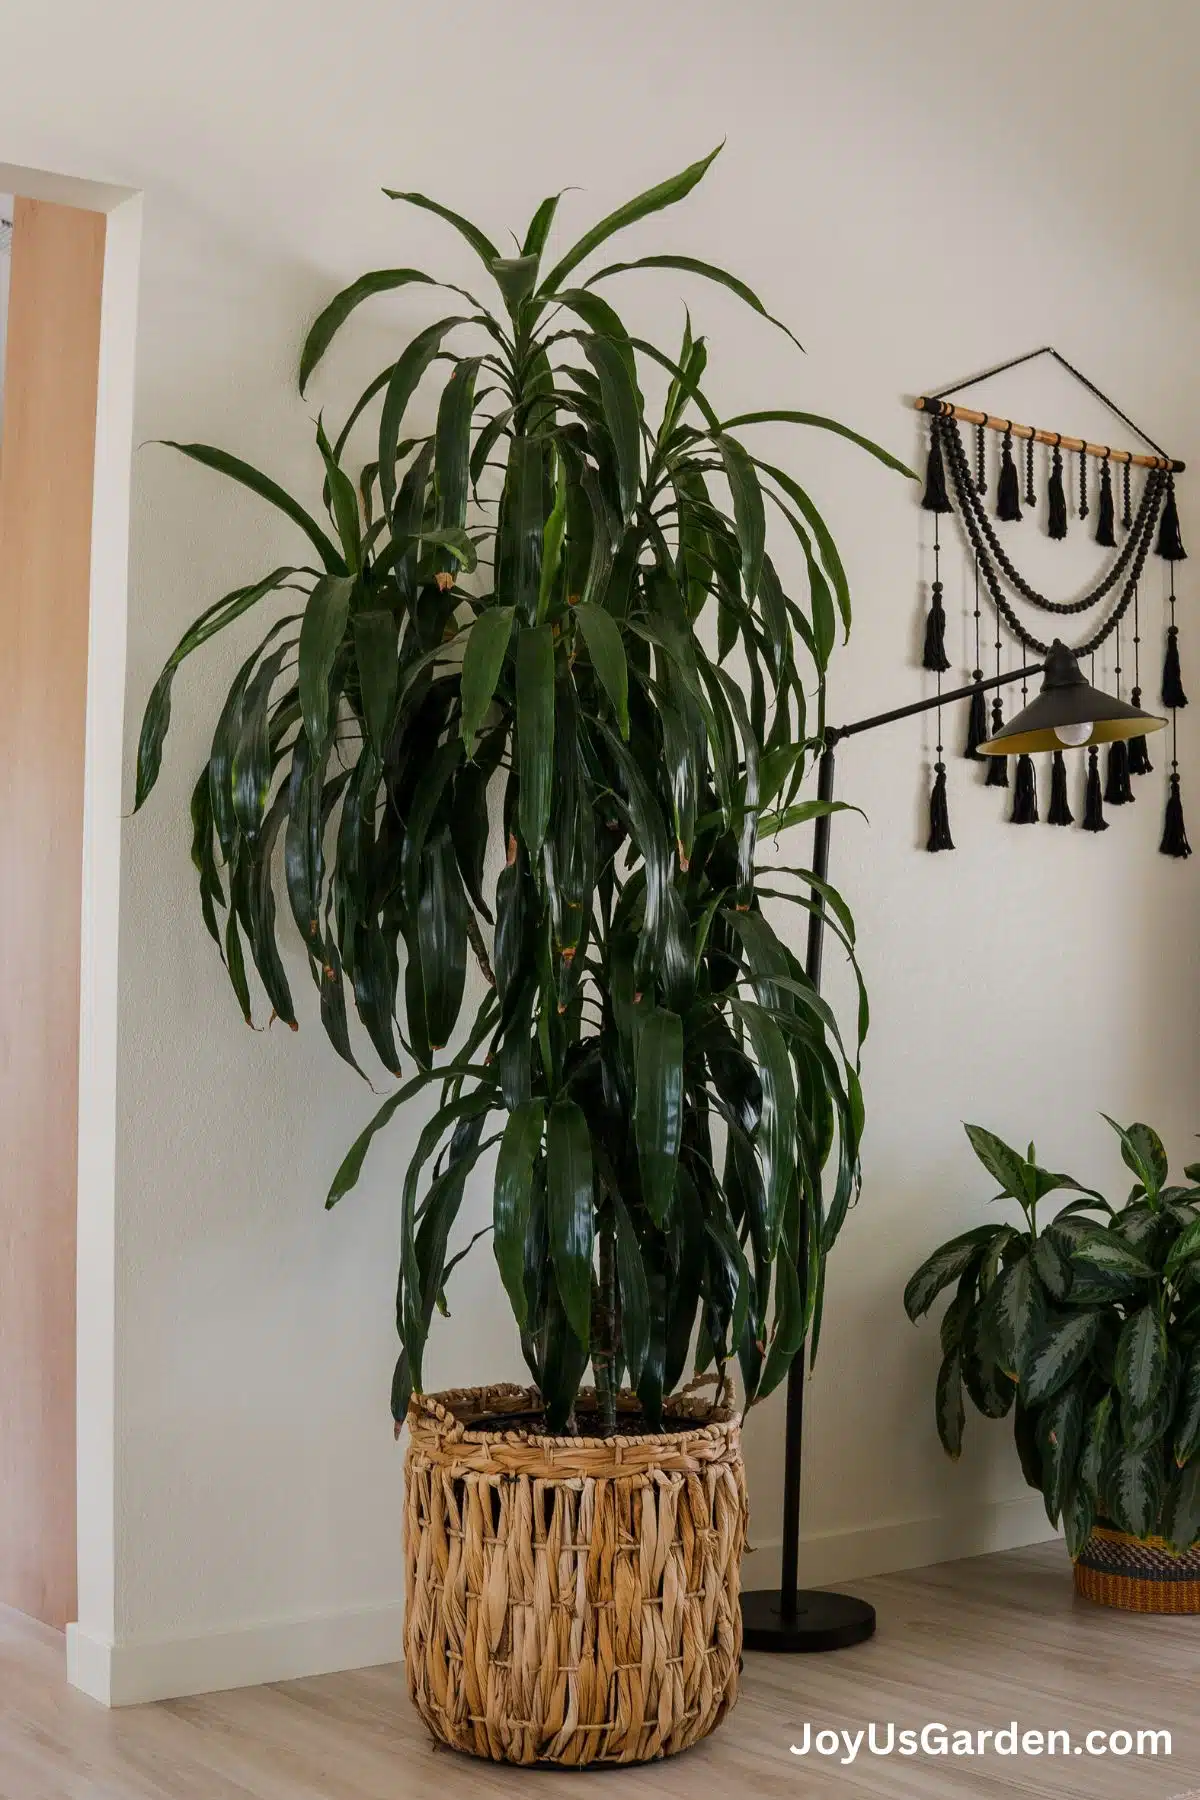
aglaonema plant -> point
(544, 626)
(1086, 1326)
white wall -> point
(920, 191)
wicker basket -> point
(1137, 1574)
(572, 1600)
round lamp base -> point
(821, 1621)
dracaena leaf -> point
(666, 193)
(658, 1119)
(321, 635)
(513, 1187)
(266, 489)
(690, 265)
(570, 1207)
(327, 325)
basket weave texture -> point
(572, 1600)
(1137, 1574)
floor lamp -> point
(1068, 713)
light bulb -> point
(1074, 735)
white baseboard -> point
(166, 1669)
(830, 1556)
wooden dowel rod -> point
(1139, 459)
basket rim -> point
(444, 1412)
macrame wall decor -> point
(1101, 481)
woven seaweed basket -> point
(1137, 1574)
(572, 1600)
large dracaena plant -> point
(551, 622)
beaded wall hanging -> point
(958, 481)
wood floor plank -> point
(972, 1645)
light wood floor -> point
(973, 1643)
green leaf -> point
(1181, 1510)
(409, 367)
(330, 322)
(658, 1119)
(1185, 1247)
(571, 1211)
(1098, 1444)
(352, 1163)
(606, 648)
(1133, 1489)
(655, 199)
(552, 542)
(1141, 1360)
(1013, 1314)
(822, 424)
(1057, 1355)
(1142, 1151)
(516, 277)
(1187, 1416)
(266, 489)
(1052, 1260)
(824, 538)
(539, 226)
(452, 442)
(635, 1294)
(1111, 1255)
(775, 1138)
(622, 414)
(441, 936)
(487, 645)
(949, 1404)
(375, 647)
(1059, 1431)
(1000, 1160)
(477, 239)
(514, 1181)
(748, 512)
(535, 731)
(691, 266)
(1078, 1517)
(943, 1267)
(157, 718)
(321, 635)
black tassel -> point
(1106, 520)
(1117, 791)
(977, 725)
(1093, 812)
(1174, 837)
(1170, 543)
(935, 498)
(1025, 810)
(1060, 806)
(934, 656)
(1008, 489)
(939, 812)
(1056, 498)
(1172, 686)
(1139, 756)
(997, 775)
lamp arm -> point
(835, 733)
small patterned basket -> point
(1137, 1574)
(572, 1600)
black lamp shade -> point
(1068, 700)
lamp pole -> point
(793, 1619)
